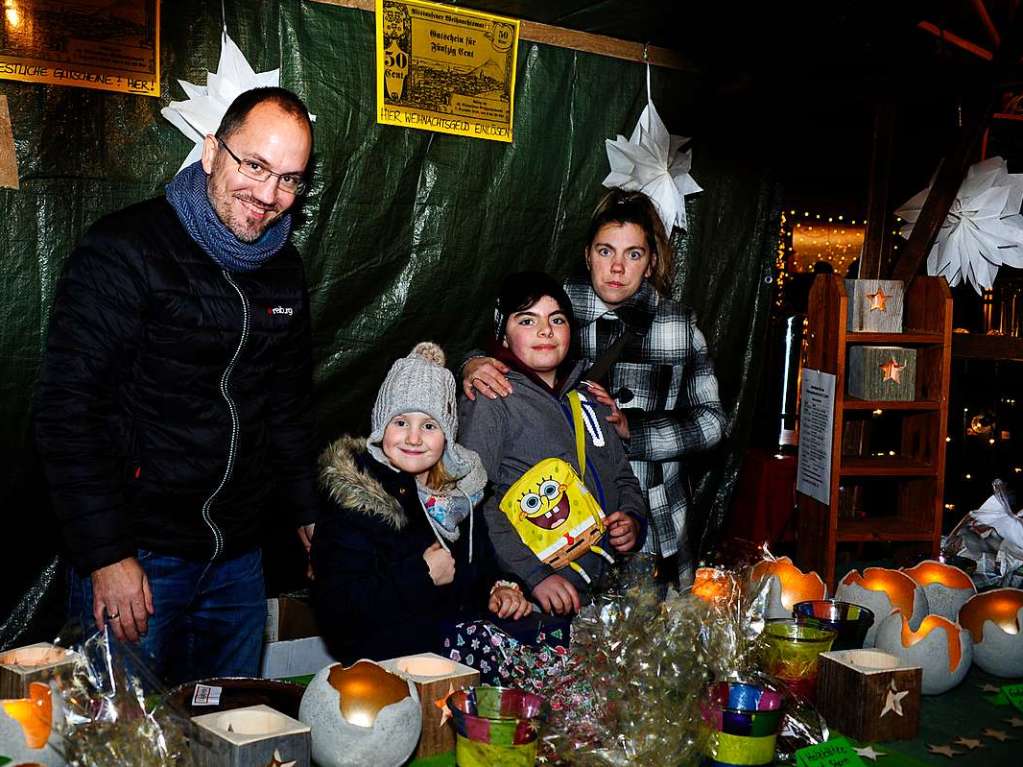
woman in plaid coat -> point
(664, 396)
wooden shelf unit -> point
(916, 473)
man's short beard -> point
(241, 237)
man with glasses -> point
(173, 407)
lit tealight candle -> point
(993, 619)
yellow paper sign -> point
(445, 69)
(86, 44)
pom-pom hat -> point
(419, 383)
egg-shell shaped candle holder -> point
(995, 621)
(361, 716)
(30, 728)
(788, 585)
(948, 588)
(941, 648)
(881, 591)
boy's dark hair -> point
(521, 290)
(235, 115)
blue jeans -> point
(209, 616)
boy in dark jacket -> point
(398, 553)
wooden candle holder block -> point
(875, 306)
(869, 695)
(32, 663)
(254, 736)
(882, 373)
(435, 678)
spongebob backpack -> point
(553, 511)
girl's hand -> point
(556, 595)
(617, 418)
(623, 531)
(486, 375)
(441, 565)
(507, 602)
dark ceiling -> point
(800, 81)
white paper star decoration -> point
(983, 228)
(649, 161)
(206, 104)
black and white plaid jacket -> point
(664, 383)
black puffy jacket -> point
(174, 400)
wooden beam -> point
(960, 156)
(881, 159)
(586, 42)
(956, 40)
(985, 19)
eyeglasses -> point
(292, 183)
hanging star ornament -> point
(202, 112)
(983, 228)
(892, 371)
(653, 161)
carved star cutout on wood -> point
(943, 750)
(998, 735)
(892, 371)
(442, 704)
(894, 700)
(276, 761)
(969, 743)
(868, 752)
(877, 301)
(1014, 721)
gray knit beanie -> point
(419, 383)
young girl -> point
(540, 515)
(664, 395)
(399, 553)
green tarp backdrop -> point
(406, 234)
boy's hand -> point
(623, 531)
(556, 595)
(506, 602)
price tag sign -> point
(1014, 693)
(206, 695)
(834, 753)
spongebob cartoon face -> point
(546, 506)
(554, 513)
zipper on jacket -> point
(218, 536)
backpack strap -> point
(580, 430)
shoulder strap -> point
(580, 430)
(600, 368)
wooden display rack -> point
(917, 471)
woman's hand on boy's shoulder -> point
(509, 602)
(623, 531)
(486, 375)
(557, 595)
(617, 418)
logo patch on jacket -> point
(286, 310)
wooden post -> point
(877, 191)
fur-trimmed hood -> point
(353, 487)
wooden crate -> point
(435, 678)
(869, 695)
(874, 306)
(33, 663)
(253, 736)
(882, 373)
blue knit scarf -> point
(187, 195)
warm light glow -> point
(365, 689)
(34, 714)
(1000, 606)
(252, 722)
(929, 572)
(900, 588)
(33, 657)
(711, 584)
(929, 624)
(796, 586)
(12, 13)
(425, 666)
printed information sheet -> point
(816, 430)
(445, 69)
(100, 44)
